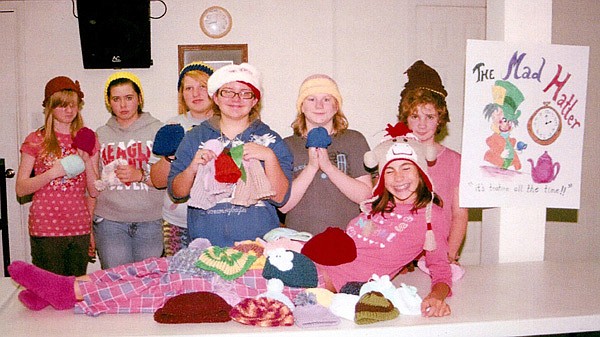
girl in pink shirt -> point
(404, 218)
(59, 219)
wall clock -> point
(544, 125)
(215, 22)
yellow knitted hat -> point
(123, 74)
(318, 84)
(227, 262)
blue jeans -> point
(120, 243)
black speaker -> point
(114, 33)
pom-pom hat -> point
(293, 269)
(118, 75)
(401, 144)
(61, 83)
(208, 70)
(244, 73)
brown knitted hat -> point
(197, 307)
(373, 307)
(60, 83)
(422, 76)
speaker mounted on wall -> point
(114, 33)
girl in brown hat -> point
(59, 220)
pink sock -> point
(58, 290)
(32, 301)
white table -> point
(513, 299)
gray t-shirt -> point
(323, 205)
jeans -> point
(120, 243)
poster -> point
(523, 125)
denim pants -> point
(120, 243)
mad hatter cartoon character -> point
(504, 115)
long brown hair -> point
(62, 98)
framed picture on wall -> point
(215, 55)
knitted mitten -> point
(58, 290)
(32, 301)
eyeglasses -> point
(231, 94)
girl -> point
(59, 238)
(403, 218)
(127, 223)
(236, 92)
(423, 108)
(195, 106)
(332, 179)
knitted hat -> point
(422, 76)
(400, 144)
(324, 296)
(372, 307)
(73, 165)
(60, 83)
(122, 74)
(196, 307)
(284, 232)
(85, 139)
(167, 139)
(262, 311)
(226, 170)
(318, 84)
(332, 247)
(294, 269)
(208, 70)
(226, 262)
(508, 97)
(310, 314)
(318, 137)
(352, 287)
(244, 73)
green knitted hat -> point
(227, 262)
(373, 307)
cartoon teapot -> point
(545, 171)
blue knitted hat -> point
(318, 137)
(292, 268)
(167, 139)
(208, 70)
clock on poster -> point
(544, 125)
(215, 22)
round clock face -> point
(215, 22)
(545, 125)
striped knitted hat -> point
(196, 65)
(373, 307)
(262, 311)
(226, 262)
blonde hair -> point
(340, 122)
(199, 76)
(63, 98)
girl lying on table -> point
(395, 226)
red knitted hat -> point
(60, 83)
(85, 139)
(330, 248)
(262, 311)
(197, 307)
(226, 171)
